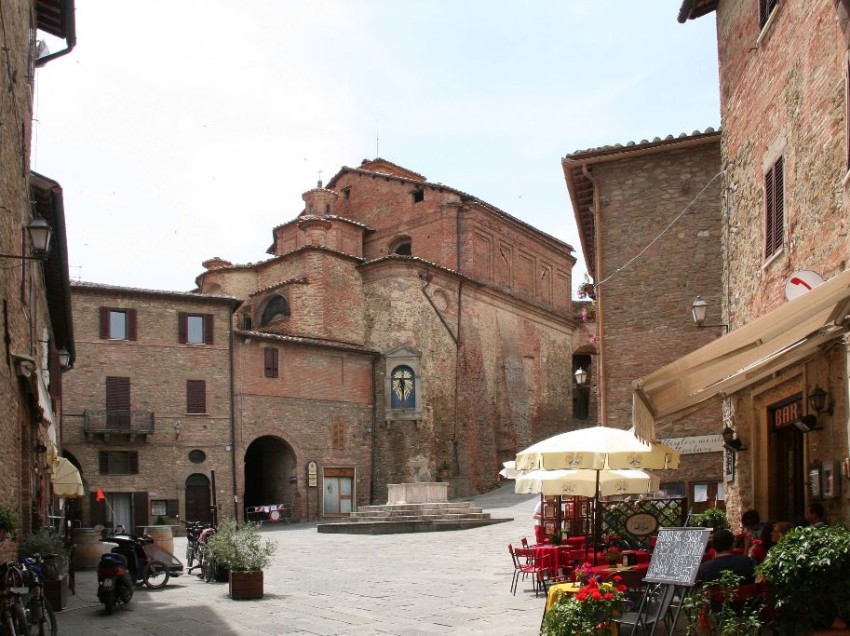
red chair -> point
(537, 567)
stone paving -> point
(419, 584)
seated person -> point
(725, 559)
(761, 544)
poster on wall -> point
(729, 466)
(814, 482)
(829, 480)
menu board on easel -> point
(677, 555)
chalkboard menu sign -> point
(677, 555)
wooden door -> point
(198, 499)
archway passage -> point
(269, 464)
(198, 506)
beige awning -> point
(66, 479)
(780, 338)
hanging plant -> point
(588, 312)
(587, 290)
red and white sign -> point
(800, 283)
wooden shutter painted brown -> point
(140, 509)
(104, 323)
(208, 329)
(103, 462)
(779, 203)
(97, 510)
(172, 507)
(270, 362)
(196, 396)
(131, 324)
(182, 327)
(118, 402)
(133, 462)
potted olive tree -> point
(54, 569)
(244, 552)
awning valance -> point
(780, 338)
(66, 479)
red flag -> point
(100, 496)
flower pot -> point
(56, 592)
(246, 585)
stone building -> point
(400, 331)
(36, 317)
(783, 366)
(148, 406)
(649, 220)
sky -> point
(182, 130)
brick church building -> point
(400, 330)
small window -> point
(117, 324)
(403, 387)
(276, 309)
(194, 328)
(197, 456)
(403, 249)
(766, 8)
(118, 462)
(774, 208)
(418, 195)
(159, 508)
(196, 396)
(246, 322)
(346, 193)
(270, 362)
(673, 488)
(338, 436)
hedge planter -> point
(56, 592)
(246, 585)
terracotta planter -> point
(246, 585)
(56, 592)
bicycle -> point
(193, 534)
(41, 620)
(13, 618)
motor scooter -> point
(114, 582)
(145, 562)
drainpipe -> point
(600, 314)
(458, 339)
(70, 34)
(233, 425)
(375, 362)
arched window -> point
(403, 388)
(276, 309)
(403, 246)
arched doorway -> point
(269, 467)
(198, 502)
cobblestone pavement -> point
(420, 584)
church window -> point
(403, 249)
(418, 195)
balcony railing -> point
(117, 421)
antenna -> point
(377, 140)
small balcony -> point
(106, 423)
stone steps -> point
(411, 517)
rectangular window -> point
(194, 328)
(118, 403)
(774, 208)
(338, 436)
(196, 396)
(270, 362)
(118, 462)
(766, 7)
(158, 508)
(117, 324)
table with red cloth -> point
(602, 570)
(559, 557)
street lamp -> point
(40, 233)
(580, 376)
(698, 309)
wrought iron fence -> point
(118, 421)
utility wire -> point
(662, 233)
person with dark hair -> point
(815, 515)
(752, 524)
(725, 559)
(762, 543)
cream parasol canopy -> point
(509, 470)
(597, 448)
(66, 480)
(569, 483)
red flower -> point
(581, 596)
(596, 595)
(618, 578)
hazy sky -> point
(186, 129)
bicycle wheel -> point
(43, 622)
(208, 570)
(157, 575)
(190, 554)
(19, 619)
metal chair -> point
(652, 610)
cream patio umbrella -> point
(66, 479)
(509, 470)
(597, 448)
(583, 483)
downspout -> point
(374, 431)
(70, 35)
(600, 314)
(457, 339)
(233, 426)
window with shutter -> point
(118, 462)
(196, 396)
(117, 324)
(774, 209)
(172, 507)
(118, 402)
(195, 328)
(270, 362)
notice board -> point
(677, 555)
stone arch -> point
(274, 308)
(402, 246)
(269, 472)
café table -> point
(560, 557)
(557, 591)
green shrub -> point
(241, 548)
(713, 518)
(809, 573)
(8, 519)
(44, 543)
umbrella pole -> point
(597, 514)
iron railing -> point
(118, 421)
